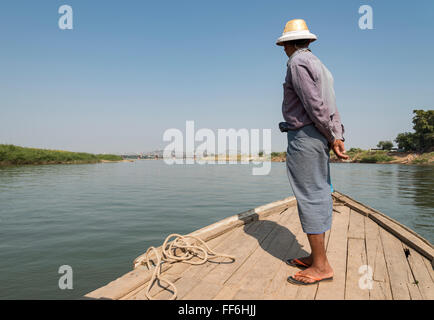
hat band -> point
(296, 35)
(297, 32)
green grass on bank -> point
(355, 154)
(278, 154)
(358, 155)
(366, 156)
(425, 158)
(14, 155)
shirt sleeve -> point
(305, 82)
(338, 127)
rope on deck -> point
(191, 246)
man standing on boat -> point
(314, 127)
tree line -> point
(421, 140)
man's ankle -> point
(321, 265)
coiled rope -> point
(190, 246)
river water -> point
(96, 218)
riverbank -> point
(378, 156)
(356, 156)
(383, 157)
(14, 155)
(115, 161)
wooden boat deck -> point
(263, 238)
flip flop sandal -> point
(294, 281)
(297, 263)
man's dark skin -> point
(319, 266)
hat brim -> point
(296, 35)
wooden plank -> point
(356, 259)
(232, 274)
(375, 256)
(356, 227)
(421, 275)
(375, 251)
(233, 293)
(203, 291)
(337, 256)
(397, 266)
(156, 289)
(414, 291)
(258, 213)
(228, 247)
(283, 289)
(183, 286)
(279, 284)
(231, 247)
(226, 293)
(245, 294)
(265, 261)
(429, 267)
(380, 291)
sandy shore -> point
(397, 158)
(110, 161)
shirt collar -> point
(296, 53)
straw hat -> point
(295, 29)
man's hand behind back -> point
(339, 149)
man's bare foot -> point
(315, 272)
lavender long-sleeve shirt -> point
(309, 96)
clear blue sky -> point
(131, 69)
